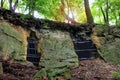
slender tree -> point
(2, 3)
(88, 12)
(11, 6)
(63, 6)
(107, 8)
(15, 5)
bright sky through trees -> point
(70, 11)
(37, 15)
(91, 1)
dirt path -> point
(17, 71)
(94, 70)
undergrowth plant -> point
(116, 75)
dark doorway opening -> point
(85, 49)
(32, 54)
(83, 45)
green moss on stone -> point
(101, 30)
(11, 42)
(57, 49)
(6, 29)
(111, 52)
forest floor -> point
(95, 69)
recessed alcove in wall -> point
(32, 53)
(84, 46)
(85, 49)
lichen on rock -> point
(12, 42)
(107, 41)
(57, 49)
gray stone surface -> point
(11, 42)
(57, 49)
(107, 41)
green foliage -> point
(116, 75)
(40, 74)
(113, 11)
(6, 28)
(57, 50)
(51, 9)
(14, 47)
(48, 8)
(52, 73)
(110, 51)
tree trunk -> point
(105, 13)
(10, 5)
(2, 3)
(104, 16)
(68, 9)
(15, 5)
(107, 17)
(88, 12)
(71, 20)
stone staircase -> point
(32, 54)
(85, 49)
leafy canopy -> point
(103, 11)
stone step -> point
(34, 60)
(33, 55)
(31, 59)
(80, 42)
(32, 41)
(81, 47)
(86, 50)
(32, 51)
(32, 48)
(86, 54)
(86, 58)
